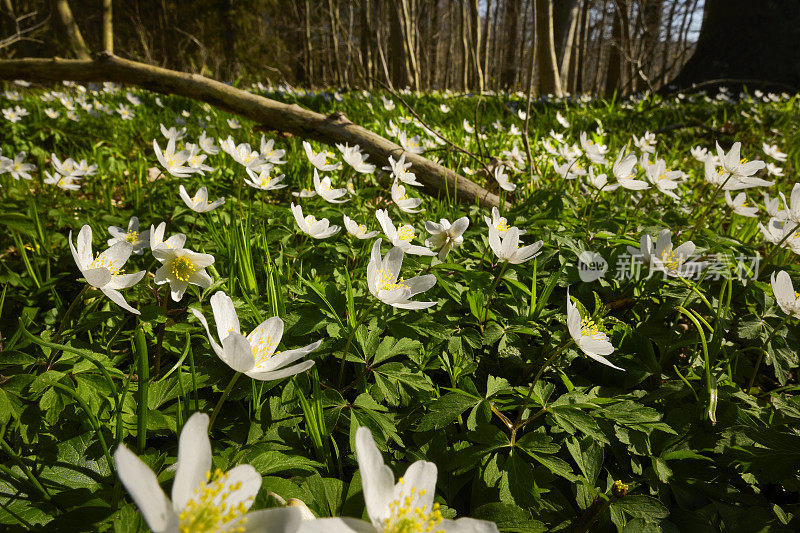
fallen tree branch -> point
(335, 128)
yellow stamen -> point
(405, 233)
(182, 268)
(208, 510)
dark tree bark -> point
(746, 40)
(509, 74)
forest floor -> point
(615, 348)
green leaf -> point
(641, 506)
(446, 409)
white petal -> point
(377, 479)
(194, 459)
(142, 485)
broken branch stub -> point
(291, 118)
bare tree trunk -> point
(483, 55)
(614, 72)
(508, 75)
(475, 45)
(333, 15)
(566, 31)
(601, 33)
(73, 32)
(365, 41)
(549, 80)
(308, 49)
(108, 27)
(464, 23)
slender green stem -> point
(701, 218)
(492, 288)
(143, 371)
(361, 316)
(70, 309)
(556, 352)
(28, 473)
(222, 399)
(706, 359)
(92, 420)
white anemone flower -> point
(263, 180)
(180, 267)
(591, 341)
(324, 189)
(718, 177)
(197, 159)
(665, 180)
(66, 183)
(507, 247)
(319, 229)
(386, 286)
(623, 171)
(67, 168)
(105, 272)
(173, 161)
(402, 236)
(646, 143)
(305, 193)
(403, 201)
(173, 133)
(233, 124)
(773, 206)
(388, 103)
(788, 299)
(139, 240)
(207, 144)
(157, 240)
(201, 500)
(600, 182)
(663, 257)
(502, 179)
(445, 236)
(407, 506)
(19, 168)
(774, 170)
(357, 230)
(270, 154)
(775, 231)
(700, 153)
(740, 206)
(199, 203)
(793, 205)
(733, 164)
(253, 355)
(355, 158)
(570, 170)
(499, 223)
(410, 144)
(594, 152)
(774, 152)
(561, 120)
(320, 159)
(399, 170)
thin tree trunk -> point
(464, 23)
(74, 37)
(549, 80)
(333, 18)
(308, 49)
(108, 27)
(508, 74)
